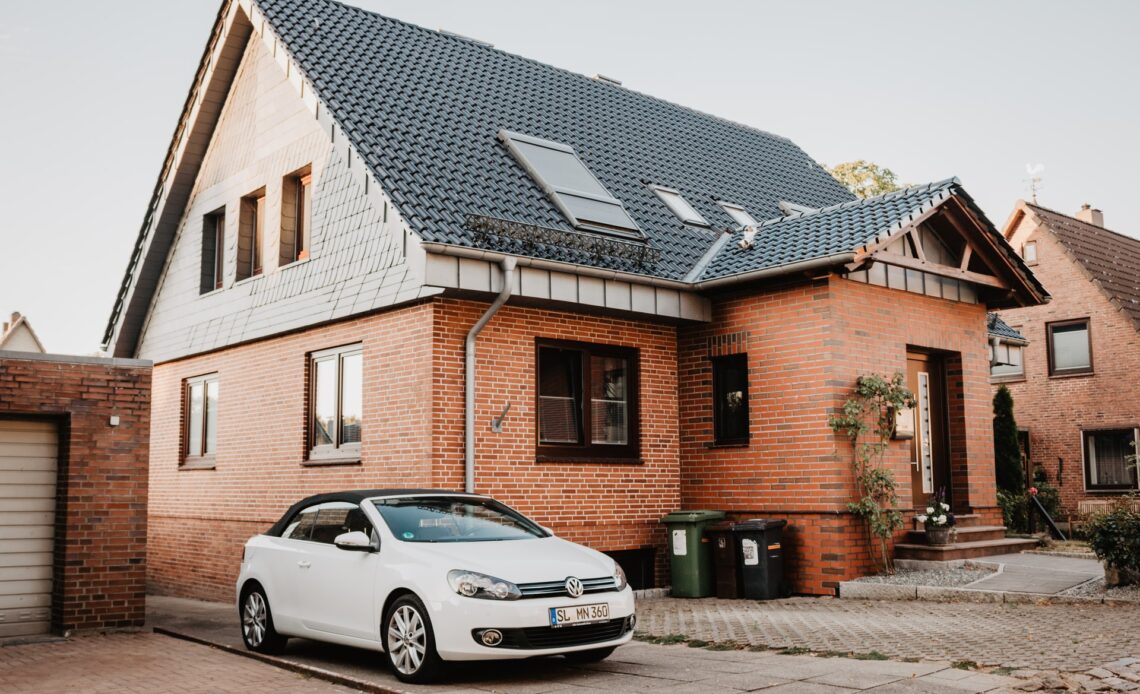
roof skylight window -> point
(572, 187)
(738, 214)
(679, 206)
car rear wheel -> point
(410, 641)
(594, 655)
(257, 624)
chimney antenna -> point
(1034, 171)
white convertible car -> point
(429, 576)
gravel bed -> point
(945, 578)
(1095, 589)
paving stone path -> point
(142, 663)
(1071, 638)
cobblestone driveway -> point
(1054, 637)
(141, 663)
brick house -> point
(73, 492)
(1075, 390)
(380, 255)
(16, 335)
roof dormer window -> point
(572, 187)
(679, 206)
(738, 213)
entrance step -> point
(967, 534)
(964, 520)
(962, 550)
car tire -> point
(257, 632)
(594, 655)
(409, 641)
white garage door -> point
(28, 455)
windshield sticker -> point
(409, 535)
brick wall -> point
(101, 496)
(412, 435)
(1057, 409)
(807, 342)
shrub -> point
(1115, 538)
(1015, 507)
(1007, 449)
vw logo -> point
(574, 587)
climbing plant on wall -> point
(867, 419)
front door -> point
(930, 459)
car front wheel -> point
(410, 641)
(257, 624)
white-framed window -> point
(738, 213)
(679, 206)
(1029, 252)
(1109, 461)
(1008, 361)
(572, 187)
(336, 403)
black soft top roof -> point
(354, 496)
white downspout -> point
(508, 265)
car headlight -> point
(471, 584)
(619, 577)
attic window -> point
(572, 187)
(738, 213)
(679, 206)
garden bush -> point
(1115, 538)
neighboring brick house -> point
(1077, 393)
(73, 492)
(16, 335)
(345, 195)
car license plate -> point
(579, 614)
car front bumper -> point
(457, 621)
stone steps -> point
(972, 533)
(962, 550)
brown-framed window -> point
(587, 401)
(1109, 461)
(213, 251)
(730, 399)
(1070, 347)
(251, 235)
(336, 403)
(200, 419)
(296, 215)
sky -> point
(974, 89)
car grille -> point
(546, 589)
(535, 638)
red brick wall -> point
(806, 344)
(1057, 409)
(101, 497)
(607, 506)
(412, 435)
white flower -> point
(945, 507)
(929, 510)
(941, 520)
(922, 519)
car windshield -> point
(451, 519)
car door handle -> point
(304, 564)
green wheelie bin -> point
(690, 552)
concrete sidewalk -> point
(634, 667)
(1036, 573)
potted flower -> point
(938, 520)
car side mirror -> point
(354, 541)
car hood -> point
(518, 561)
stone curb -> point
(855, 590)
(307, 670)
(651, 593)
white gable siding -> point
(356, 261)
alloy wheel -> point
(407, 639)
(253, 619)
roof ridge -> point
(486, 45)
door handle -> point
(304, 564)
